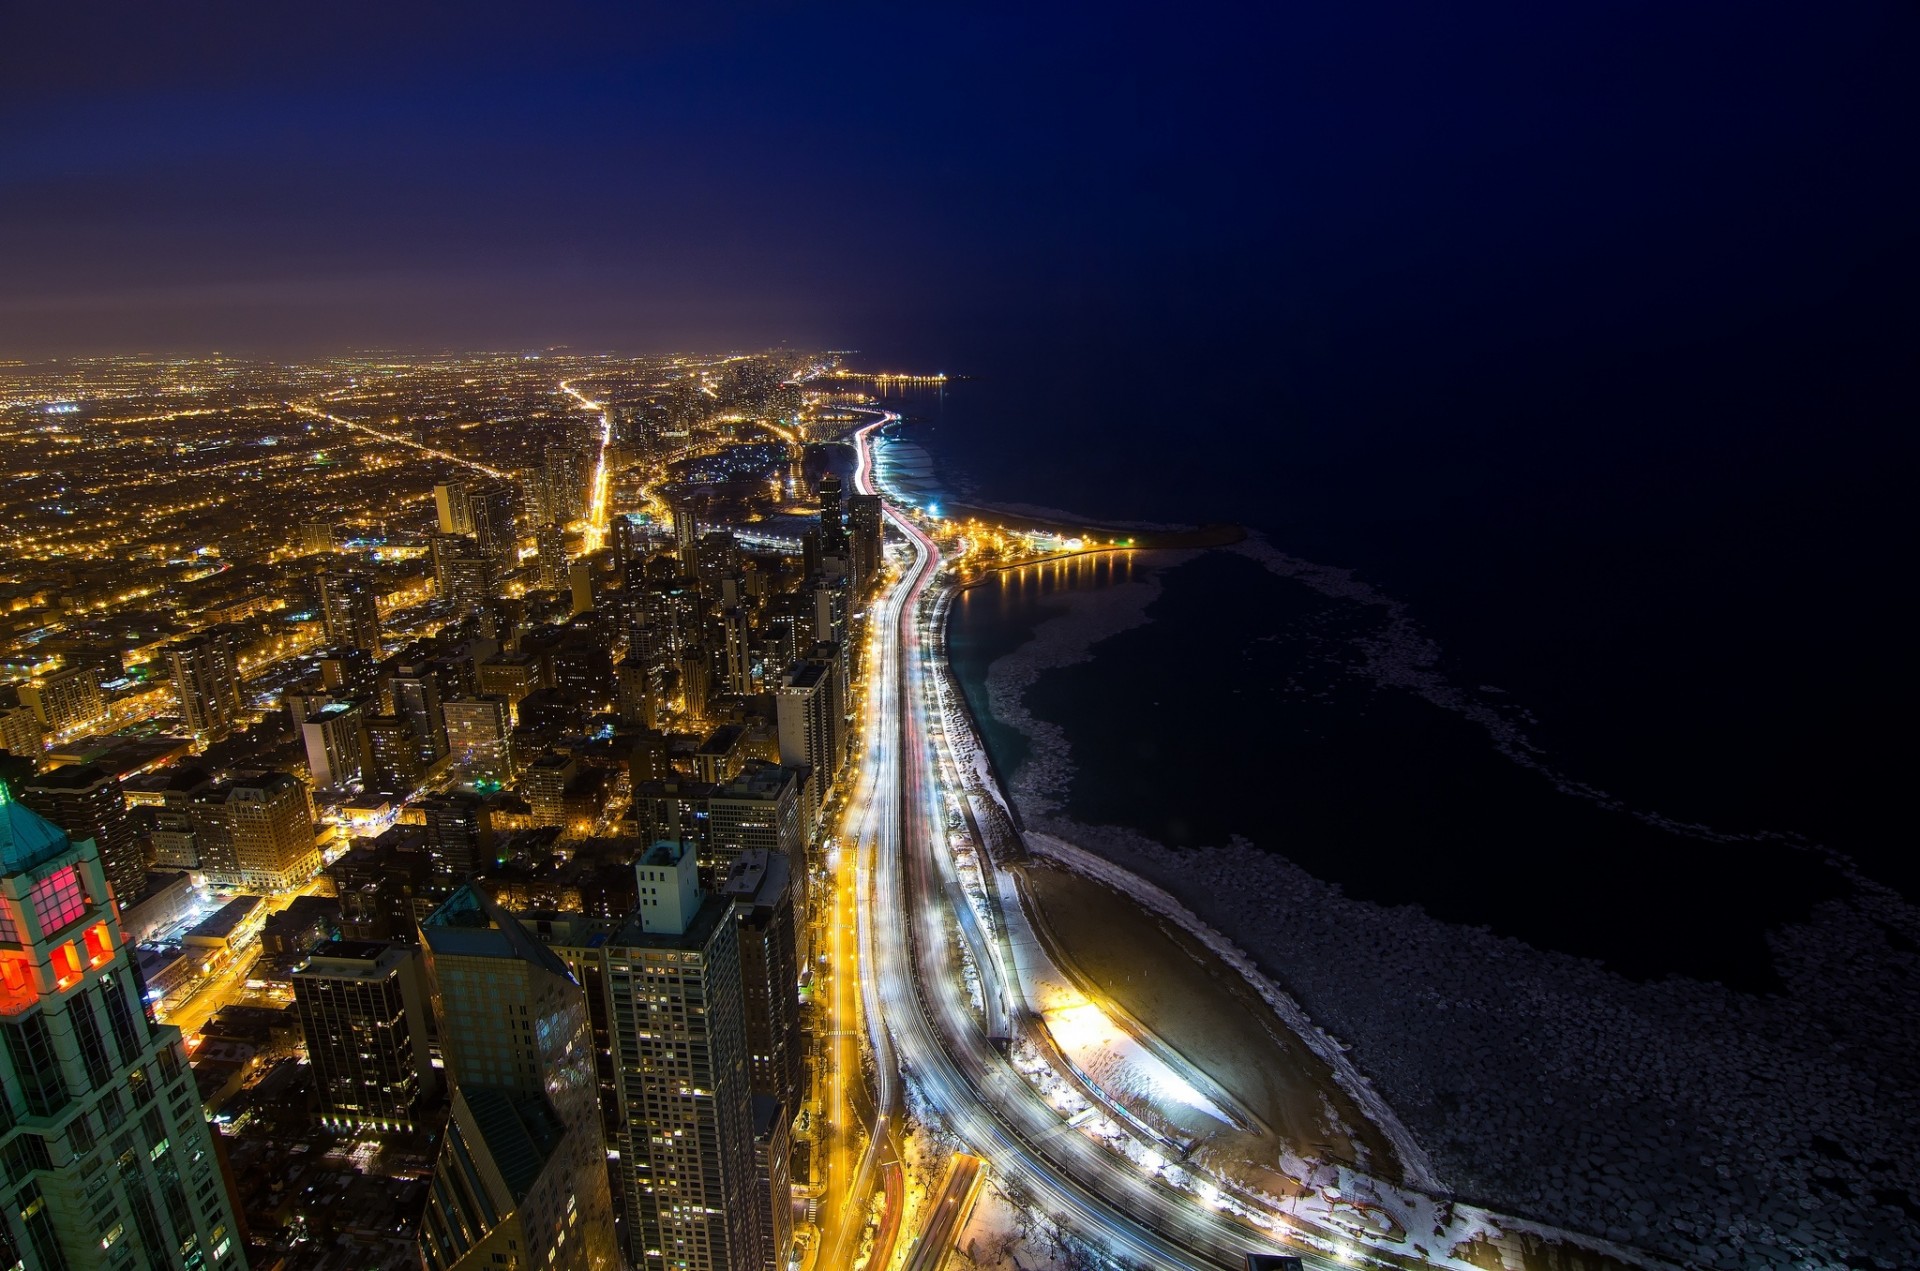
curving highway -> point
(909, 973)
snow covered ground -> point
(1707, 1126)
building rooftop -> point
(27, 839)
(712, 910)
(225, 920)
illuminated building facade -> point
(206, 680)
(110, 1162)
(364, 1020)
(350, 610)
(87, 802)
(521, 1179)
(677, 1028)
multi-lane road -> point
(912, 989)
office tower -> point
(335, 737)
(480, 737)
(350, 609)
(416, 699)
(87, 802)
(206, 680)
(459, 836)
(67, 702)
(772, 1179)
(553, 555)
(679, 1042)
(867, 521)
(255, 832)
(110, 1161)
(451, 509)
(522, 1176)
(490, 518)
(364, 1019)
(757, 810)
(317, 537)
(811, 732)
(761, 886)
(393, 755)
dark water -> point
(1688, 561)
(1236, 711)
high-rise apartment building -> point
(450, 508)
(522, 1175)
(459, 836)
(866, 525)
(350, 609)
(416, 698)
(67, 702)
(336, 742)
(363, 1014)
(678, 1032)
(810, 713)
(110, 1162)
(761, 887)
(206, 680)
(87, 802)
(480, 737)
(255, 832)
(552, 542)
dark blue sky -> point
(939, 179)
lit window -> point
(57, 900)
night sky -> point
(937, 182)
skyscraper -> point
(87, 802)
(678, 1031)
(553, 555)
(809, 714)
(761, 887)
(350, 609)
(759, 809)
(866, 520)
(416, 698)
(110, 1161)
(490, 516)
(206, 680)
(364, 1020)
(522, 1176)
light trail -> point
(597, 506)
(316, 413)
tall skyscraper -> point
(866, 520)
(110, 1160)
(459, 836)
(678, 1031)
(206, 680)
(87, 802)
(350, 609)
(809, 713)
(522, 1174)
(761, 887)
(363, 1015)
